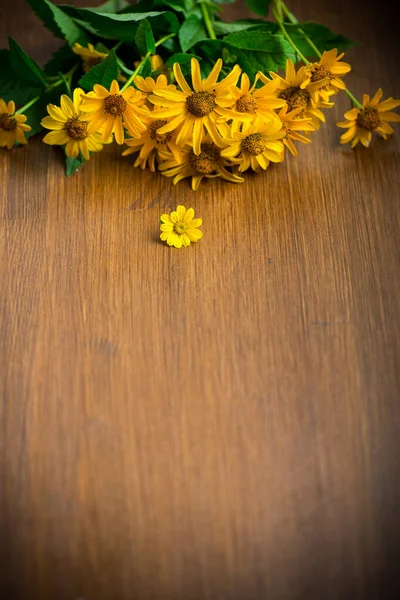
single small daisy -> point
(90, 56)
(150, 143)
(255, 101)
(256, 145)
(110, 111)
(372, 116)
(149, 84)
(293, 89)
(292, 126)
(209, 163)
(180, 228)
(12, 127)
(197, 111)
(69, 129)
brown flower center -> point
(207, 161)
(254, 144)
(76, 129)
(319, 72)
(295, 98)
(7, 123)
(114, 105)
(369, 118)
(160, 138)
(246, 104)
(200, 104)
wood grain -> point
(220, 422)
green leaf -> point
(183, 6)
(191, 32)
(260, 50)
(62, 60)
(43, 10)
(60, 23)
(322, 36)
(72, 33)
(26, 68)
(144, 39)
(72, 164)
(123, 27)
(111, 6)
(103, 73)
(225, 27)
(260, 7)
(12, 87)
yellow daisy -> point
(197, 111)
(70, 129)
(329, 66)
(180, 228)
(150, 85)
(150, 143)
(156, 62)
(90, 56)
(12, 126)
(292, 125)
(372, 116)
(293, 89)
(208, 163)
(256, 145)
(254, 101)
(110, 111)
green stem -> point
(27, 105)
(164, 39)
(136, 71)
(294, 21)
(287, 36)
(353, 99)
(207, 21)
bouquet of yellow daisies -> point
(189, 94)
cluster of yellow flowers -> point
(210, 128)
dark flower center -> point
(114, 105)
(254, 144)
(295, 98)
(7, 123)
(160, 138)
(319, 72)
(200, 104)
(207, 161)
(246, 104)
(369, 118)
(76, 129)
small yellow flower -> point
(292, 125)
(69, 128)
(12, 126)
(255, 145)
(110, 111)
(254, 101)
(293, 89)
(373, 116)
(329, 66)
(156, 62)
(151, 143)
(180, 228)
(209, 163)
(199, 110)
(150, 85)
(90, 56)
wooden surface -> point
(220, 422)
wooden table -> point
(220, 422)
